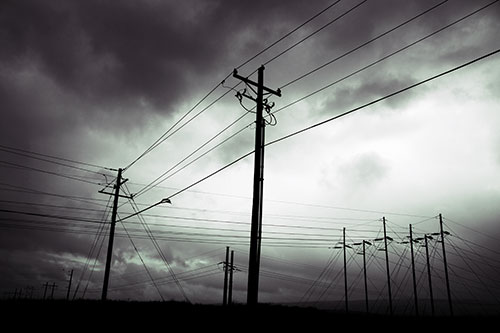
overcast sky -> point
(100, 81)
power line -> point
(27, 153)
(363, 45)
(378, 100)
(377, 61)
(156, 180)
(324, 122)
(316, 31)
(48, 172)
(163, 137)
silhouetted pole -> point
(345, 274)
(445, 265)
(230, 292)
(226, 268)
(53, 287)
(258, 186)
(69, 285)
(364, 273)
(431, 295)
(413, 272)
(111, 236)
(45, 286)
(387, 266)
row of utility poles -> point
(411, 241)
(256, 220)
(27, 292)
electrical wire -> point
(362, 45)
(315, 32)
(165, 135)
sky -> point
(86, 87)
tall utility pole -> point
(226, 268)
(69, 285)
(119, 182)
(387, 266)
(345, 273)
(445, 265)
(431, 295)
(230, 292)
(364, 273)
(258, 184)
(413, 272)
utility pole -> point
(413, 272)
(231, 267)
(109, 255)
(69, 285)
(226, 268)
(53, 287)
(364, 273)
(45, 286)
(345, 274)
(258, 183)
(431, 295)
(445, 265)
(387, 266)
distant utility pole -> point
(445, 264)
(364, 273)
(431, 295)
(231, 267)
(226, 268)
(69, 285)
(258, 183)
(45, 286)
(387, 266)
(345, 273)
(53, 287)
(413, 272)
(119, 182)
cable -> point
(158, 248)
(48, 172)
(326, 121)
(163, 137)
(378, 100)
(384, 58)
(17, 151)
(143, 263)
(363, 45)
(152, 184)
(315, 32)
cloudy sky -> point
(87, 86)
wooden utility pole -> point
(345, 273)
(364, 274)
(387, 267)
(445, 265)
(226, 268)
(231, 271)
(45, 286)
(109, 257)
(258, 184)
(413, 272)
(431, 295)
(69, 285)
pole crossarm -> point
(255, 84)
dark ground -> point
(169, 316)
